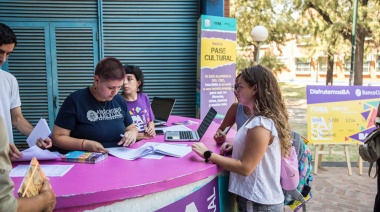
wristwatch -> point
(207, 155)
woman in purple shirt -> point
(138, 102)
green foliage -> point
(242, 63)
(270, 60)
(331, 23)
(278, 20)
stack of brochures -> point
(84, 157)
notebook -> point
(192, 135)
(162, 108)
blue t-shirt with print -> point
(87, 118)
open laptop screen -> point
(206, 122)
(162, 108)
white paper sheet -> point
(174, 128)
(41, 130)
(49, 170)
(129, 154)
(150, 150)
(172, 150)
(37, 152)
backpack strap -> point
(369, 170)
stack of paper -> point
(41, 130)
(150, 148)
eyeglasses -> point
(237, 87)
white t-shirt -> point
(263, 184)
(9, 99)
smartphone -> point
(159, 132)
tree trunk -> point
(330, 69)
(359, 54)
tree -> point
(338, 16)
(277, 19)
(325, 40)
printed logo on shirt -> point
(101, 115)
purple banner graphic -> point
(341, 114)
(204, 199)
(322, 94)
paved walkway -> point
(333, 189)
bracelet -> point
(83, 143)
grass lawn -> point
(297, 91)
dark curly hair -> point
(7, 36)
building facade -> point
(60, 42)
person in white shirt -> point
(10, 103)
(259, 144)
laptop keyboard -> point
(185, 134)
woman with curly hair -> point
(259, 144)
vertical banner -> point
(341, 114)
(216, 68)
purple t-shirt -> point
(140, 111)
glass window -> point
(347, 65)
(322, 64)
(302, 64)
(366, 67)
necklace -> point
(102, 105)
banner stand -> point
(319, 152)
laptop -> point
(192, 135)
(162, 108)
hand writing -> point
(219, 137)
(128, 139)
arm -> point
(62, 139)
(257, 141)
(228, 120)
(44, 201)
(19, 122)
(150, 129)
(25, 128)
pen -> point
(225, 130)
